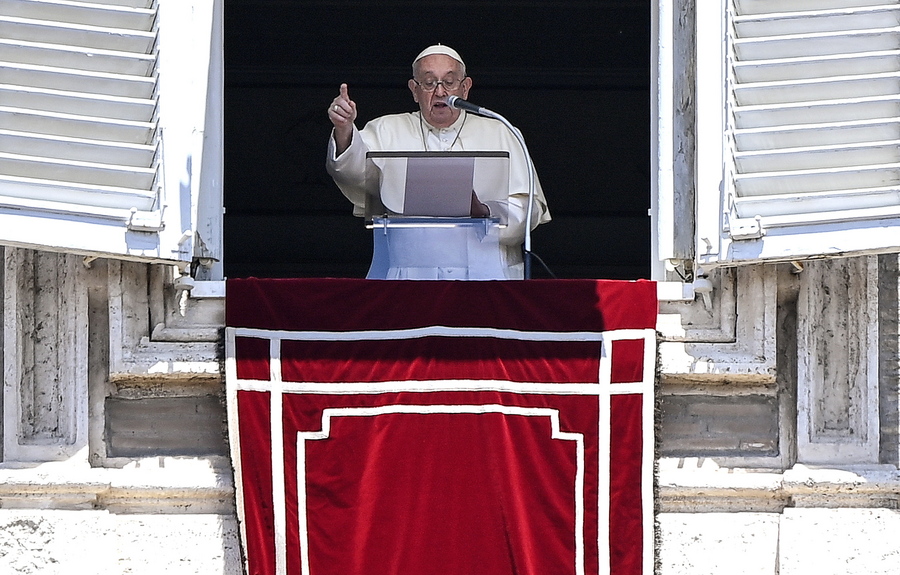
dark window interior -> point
(573, 76)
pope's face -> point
(433, 104)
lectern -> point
(420, 208)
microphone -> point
(460, 104)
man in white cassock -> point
(438, 72)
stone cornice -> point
(708, 488)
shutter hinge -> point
(146, 221)
(746, 228)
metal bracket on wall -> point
(746, 228)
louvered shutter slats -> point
(64, 196)
(78, 105)
(820, 157)
(811, 90)
(822, 112)
(83, 35)
(76, 171)
(59, 124)
(97, 14)
(87, 82)
(792, 209)
(813, 102)
(77, 58)
(76, 149)
(111, 128)
(755, 7)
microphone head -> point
(460, 104)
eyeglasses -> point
(430, 84)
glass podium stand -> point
(436, 249)
(437, 215)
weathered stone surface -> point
(699, 485)
(142, 308)
(717, 543)
(163, 485)
(728, 340)
(889, 357)
(840, 542)
(706, 425)
(45, 375)
(155, 426)
(837, 369)
(61, 542)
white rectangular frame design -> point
(603, 391)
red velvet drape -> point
(434, 452)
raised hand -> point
(342, 113)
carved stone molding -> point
(156, 332)
(156, 485)
(728, 339)
(837, 371)
(699, 485)
(44, 346)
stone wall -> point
(778, 436)
(114, 440)
(792, 474)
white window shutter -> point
(808, 132)
(90, 160)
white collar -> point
(455, 126)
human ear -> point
(466, 86)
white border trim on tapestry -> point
(603, 390)
(556, 433)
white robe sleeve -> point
(349, 170)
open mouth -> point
(440, 105)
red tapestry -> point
(426, 427)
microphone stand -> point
(457, 102)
